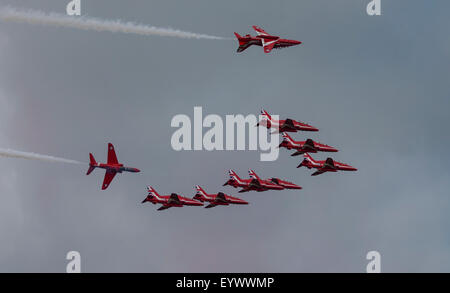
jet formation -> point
(304, 147)
(254, 182)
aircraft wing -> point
(268, 184)
(298, 153)
(109, 176)
(163, 207)
(268, 41)
(329, 163)
(245, 189)
(112, 158)
(309, 145)
(221, 198)
(260, 31)
(318, 172)
(268, 45)
(211, 205)
(255, 183)
(174, 199)
(288, 123)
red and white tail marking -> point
(234, 176)
(152, 192)
(265, 114)
(201, 191)
(252, 174)
(310, 159)
(288, 138)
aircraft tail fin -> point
(287, 138)
(309, 158)
(152, 192)
(243, 42)
(234, 176)
(238, 37)
(92, 164)
(201, 192)
(265, 114)
(252, 174)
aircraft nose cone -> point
(137, 170)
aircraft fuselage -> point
(119, 168)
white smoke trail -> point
(33, 156)
(95, 24)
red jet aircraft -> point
(329, 165)
(277, 181)
(216, 199)
(112, 166)
(168, 201)
(308, 146)
(254, 183)
(287, 125)
(265, 40)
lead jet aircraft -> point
(253, 183)
(112, 167)
(329, 165)
(287, 125)
(216, 199)
(301, 147)
(263, 39)
(168, 201)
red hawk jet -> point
(277, 181)
(168, 201)
(254, 183)
(220, 198)
(329, 165)
(287, 125)
(308, 146)
(112, 166)
(264, 40)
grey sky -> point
(376, 87)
